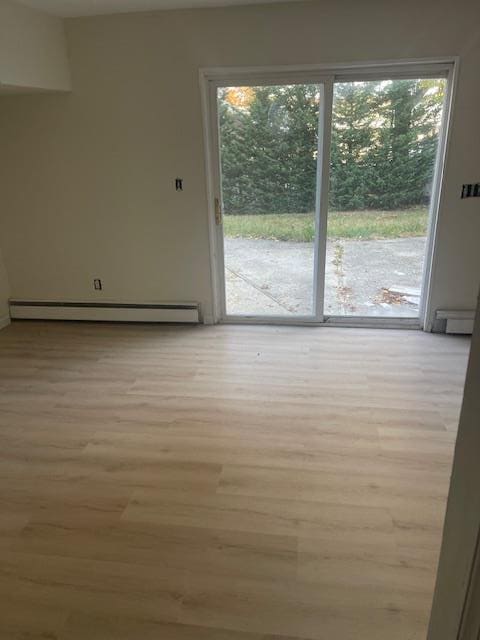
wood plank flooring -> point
(222, 483)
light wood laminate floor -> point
(222, 483)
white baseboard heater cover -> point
(104, 311)
(457, 321)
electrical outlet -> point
(97, 284)
(471, 190)
(178, 184)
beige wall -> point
(4, 293)
(32, 49)
(88, 177)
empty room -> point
(239, 345)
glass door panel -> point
(383, 153)
(268, 145)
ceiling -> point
(72, 8)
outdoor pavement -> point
(363, 277)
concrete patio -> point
(363, 277)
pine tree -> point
(269, 150)
(404, 156)
(299, 132)
(234, 154)
(354, 112)
(384, 139)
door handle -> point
(218, 212)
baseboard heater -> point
(451, 321)
(104, 311)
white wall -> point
(462, 521)
(88, 177)
(32, 49)
(4, 294)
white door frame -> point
(325, 75)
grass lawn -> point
(358, 225)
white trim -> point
(212, 163)
(456, 314)
(307, 72)
(208, 153)
(331, 321)
(273, 320)
(4, 321)
(321, 199)
(374, 322)
(427, 312)
(110, 312)
(457, 321)
(218, 193)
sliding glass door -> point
(323, 193)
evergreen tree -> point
(299, 106)
(384, 139)
(268, 150)
(404, 156)
(234, 153)
(354, 112)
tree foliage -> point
(384, 139)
